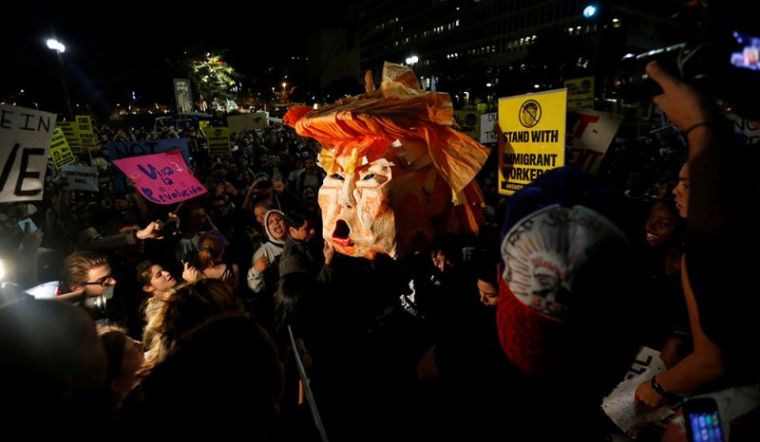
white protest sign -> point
(620, 405)
(244, 122)
(488, 132)
(25, 136)
(589, 134)
(81, 177)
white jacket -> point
(272, 249)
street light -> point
(590, 10)
(412, 60)
(59, 49)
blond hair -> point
(78, 264)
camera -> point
(725, 65)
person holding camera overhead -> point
(723, 303)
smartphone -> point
(702, 420)
(27, 221)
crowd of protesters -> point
(194, 316)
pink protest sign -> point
(162, 178)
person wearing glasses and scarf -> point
(88, 283)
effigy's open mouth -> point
(341, 230)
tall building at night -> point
(497, 47)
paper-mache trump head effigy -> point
(398, 173)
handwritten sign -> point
(488, 131)
(162, 178)
(81, 178)
(25, 136)
(117, 151)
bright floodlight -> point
(412, 60)
(56, 45)
(589, 11)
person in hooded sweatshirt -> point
(264, 274)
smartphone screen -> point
(749, 55)
(703, 421)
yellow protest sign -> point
(580, 93)
(532, 138)
(469, 123)
(60, 152)
(218, 140)
(203, 124)
(71, 132)
(86, 133)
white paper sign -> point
(488, 132)
(589, 134)
(620, 405)
(81, 177)
(25, 136)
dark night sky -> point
(114, 49)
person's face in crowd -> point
(274, 160)
(160, 280)
(276, 226)
(309, 165)
(309, 195)
(681, 191)
(98, 280)
(259, 212)
(441, 261)
(222, 207)
(264, 161)
(489, 293)
(303, 233)
(661, 225)
(127, 378)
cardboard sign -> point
(162, 178)
(532, 139)
(488, 132)
(25, 136)
(245, 122)
(60, 152)
(218, 140)
(590, 135)
(81, 178)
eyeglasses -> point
(103, 282)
